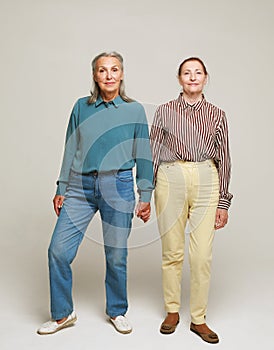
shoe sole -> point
(65, 325)
(166, 332)
(118, 330)
(170, 330)
(203, 338)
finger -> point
(58, 203)
(57, 209)
(55, 206)
(145, 219)
(220, 224)
(217, 223)
(145, 215)
(138, 213)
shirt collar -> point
(196, 106)
(116, 102)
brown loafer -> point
(211, 337)
(168, 328)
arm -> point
(223, 163)
(224, 171)
(69, 152)
(144, 167)
(156, 139)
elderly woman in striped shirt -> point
(190, 147)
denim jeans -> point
(112, 194)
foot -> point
(170, 323)
(121, 324)
(52, 326)
(203, 331)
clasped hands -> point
(142, 209)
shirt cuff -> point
(224, 204)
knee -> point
(57, 252)
(116, 257)
(200, 262)
(173, 257)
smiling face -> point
(108, 74)
(192, 78)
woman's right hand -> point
(58, 203)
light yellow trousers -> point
(187, 191)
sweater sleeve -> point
(71, 145)
(142, 155)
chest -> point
(180, 122)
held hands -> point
(57, 203)
(221, 218)
(143, 211)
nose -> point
(109, 76)
(192, 76)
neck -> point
(108, 96)
(192, 99)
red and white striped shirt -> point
(193, 133)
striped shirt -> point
(194, 133)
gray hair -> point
(95, 90)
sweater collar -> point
(116, 102)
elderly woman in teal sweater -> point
(106, 137)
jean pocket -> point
(124, 176)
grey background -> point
(46, 49)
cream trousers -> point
(187, 192)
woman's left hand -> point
(221, 218)
(143, 211)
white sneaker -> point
(51, 327)
(121, 324)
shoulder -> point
(83, 101)
(81, 105)
(169, 104)
(168, 107)
(217, 111)
(134, 107)
(217, 114)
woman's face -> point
(108, 75)
(192, 77)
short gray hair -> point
(95, 90)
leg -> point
(171, 208)
(67, 236)
(201, 219)
(116, 209)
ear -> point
(206, 80)
(179, 80)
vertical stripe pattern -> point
(193, 133)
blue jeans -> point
(112, 194)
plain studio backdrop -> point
(46, 50)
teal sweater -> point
(106, 137)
